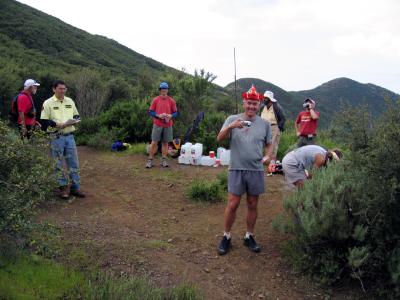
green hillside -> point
(34, 44)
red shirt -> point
(24, 103)
(307, 125)
(163, 105)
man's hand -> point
(297, 133)
(61, 125)
(266, 160)
(236, 124)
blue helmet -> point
(164, 86)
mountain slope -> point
(56, 39)
(329, 96)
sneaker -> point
(77, 193)
(224, 246)
(63, 192)
(251, 244)
(149, 164)
(164, 163)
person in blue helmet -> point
(163, 110)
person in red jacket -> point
(26, 109)
(306, 124)
(162, 110)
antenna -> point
(234, 62)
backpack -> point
(13, 114)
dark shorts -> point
(306, 140)
(249, 182)
(161, 134)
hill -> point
(329, 96)
(36, 45)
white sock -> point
(227, 234)
(248, 234)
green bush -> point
(346, 221)
(206, 191)
(26, 179)
(223, 180)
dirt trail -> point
(140, 222)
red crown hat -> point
(252, 94)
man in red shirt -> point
(162, 110)
(306, 124)
(26, 109)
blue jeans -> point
(65, 147)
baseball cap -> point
(270, 96)
(30, 82)
(164, 86)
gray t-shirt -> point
(247, 144)
(305, 156)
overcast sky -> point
(295, 44)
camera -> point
(247, 123)
(306, 105)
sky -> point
(295, 44)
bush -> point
(26, 179)
(206, 191)
(346, 220)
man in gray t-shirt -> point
(250, 144)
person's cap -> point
(310, 100)
(164, 86)
(30, 82)
(252, 94)
(270, 96)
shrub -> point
(346, 220)
(26, 179)
(223, 180)
(206, 191)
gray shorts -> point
(292, 170)
(161, 134)
(249, 182)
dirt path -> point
(140, 222)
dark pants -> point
(29, 129)
(306, 140)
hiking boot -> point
(164, 163)
(251, 244)
(77, 193)
(149, 164)
(63, 192)
(224, 246)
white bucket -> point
(196, 161)
(186, 150)
(207, 161)
(184, 160)
(197, 150)
(219, 151)
(225, 157)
